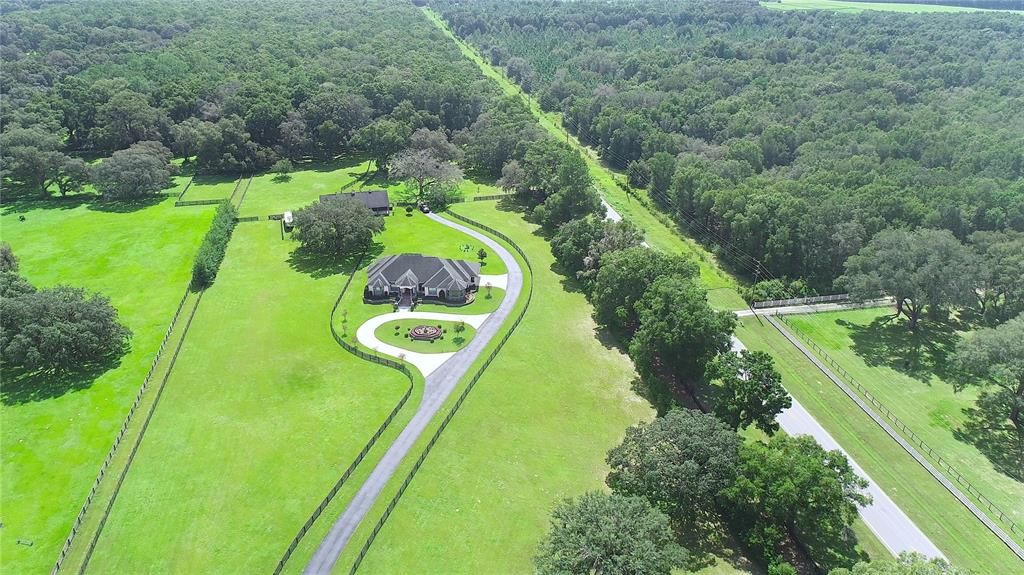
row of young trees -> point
(796, 136)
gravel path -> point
(437, 387)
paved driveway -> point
(437, 387)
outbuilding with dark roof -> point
(376, 200)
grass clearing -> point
(397, 334)
(535, 430)
(857, 7)
(275, 194)
(262, 413)
(210, 188)
(945, 521)
(911, 376)
(54, 440)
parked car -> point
(425, 208)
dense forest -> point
(794, 136)
(223, 83)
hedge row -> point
(211, 252)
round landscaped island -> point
(426, 336)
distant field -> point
(260, 417)
(274, 194)
(854, 7)
(915, 385)
(53, 444)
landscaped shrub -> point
(215, 243)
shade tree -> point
(144, 169)
(748, 390)
(608, 534)
(679, 462)
(336, 226)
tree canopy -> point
(611, 535)
(337, 226)
(749, 390)
(679, 462)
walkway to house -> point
(427, 363)
(437, 386)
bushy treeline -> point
(227, 85)
(987, 4)
(215, 244)
(796, 136)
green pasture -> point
(857, 7)
(964, 539)
(57, 430)
(211, 188)
(262, 414)
(911, 375)
(271, 193)
(396, 333)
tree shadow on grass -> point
(19, 199)
(20, 387)
(126, 206)
(919, 355)
(988, 428)
(320, 265)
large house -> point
(376, 200)
(405, 277)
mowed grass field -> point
(964, 540)
(260, 417)
(914, 385)
(534, 430)
(857, 7)
(211, 188)
(54, 439)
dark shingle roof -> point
(374, 199)
(432, 272)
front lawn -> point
(397, 333)
(262, 414)
(56, 433)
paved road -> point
(437, 387)
(892, 526)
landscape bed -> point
(399, 333)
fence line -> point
(238, 184)
(369, 444)
(909, 434)
(492, 197)
(187, 186)
(802, 300)
(458, 403)
(245, 191)
(77, 524)
(248, 219)
(197, 203)
(138, 439)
